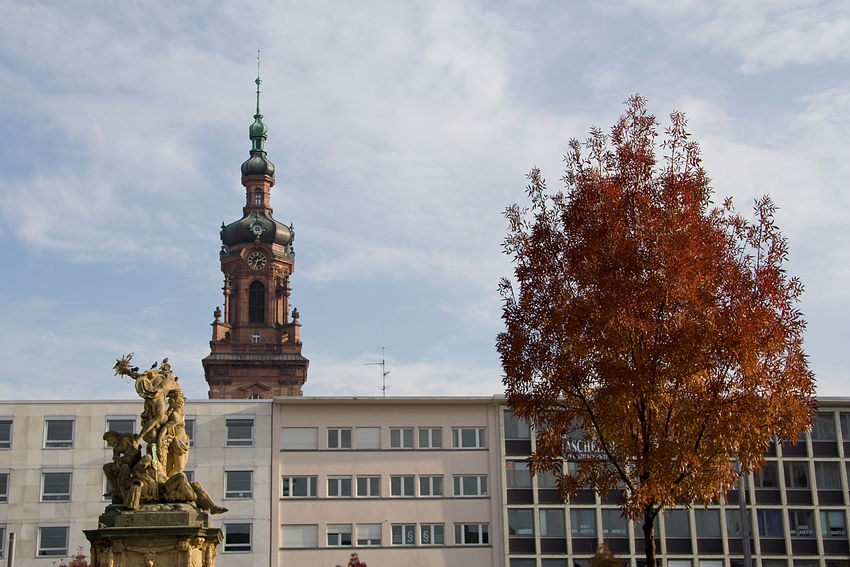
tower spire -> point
(258, 81)
(258, 163)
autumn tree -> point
(660, 328)
(354, 561)
(77, 560)
(604, 557)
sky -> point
(400, 132)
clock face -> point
(257, 260)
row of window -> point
(307, 438)
(583, 523)
(369, 486)
(306, 536)
(59, 431)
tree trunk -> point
(649, 515)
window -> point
(58, 432)
(521, 523)
(339, 438)
(190, 475)
(769, 521)
(339, 487)
(369, 486)
(767, 476)
(237, 537)
(824, 428)
(796, 474)
(827, 476)
(707, 523)
(121, 424)
(676, 524)
(258, 198)
(53, 541)
(401, 485)
(613, 523)
(733, 523)
(55, 486)
(801, 523)
(256, 302)
(5, 433)
(240, 432)
(472, 534)
(470, 485)
(255, 338)
(467, 438)
(401, 437)
(583, 522)
(4, 486)
(552, 523)
(339, 535)
(368, 535)
(299, 536)
(518, 475)
(368, 437)
(431, 485)
(238, 484)
(844, 418)
(432, 534)
(2, 541)
(515, 427)
(403, 534)
(299, 487)
(547, 480)
(190, 430)
(430, 437)
(300, 438)
(832, 523)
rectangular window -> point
(827, 476)
(431, 486)
(470, 486)
(2, 541)
(368, 535)
(824, 428)
(613, 523)
(300, 438)
(472, 534)
(832, 523)
(237, 537)
(707, 523)
(55, 486)
(238, 484)
(432, 534)
(521, 523)
(53, 541)
(676, 524)
(767, 476)
(404, 534)
(430, 437)
(401, 437)
(547, 480)
(339, 487)
(582, 522)
(801, 523)
(339, 535)
(796, 474)
(299, 487)
(190, 430)
(339, 438)
(240, 432)
(368, 437)
(299, 536)
(518, 474)
(468, 438)
(769, 521)
(733, 523)
(5, 433)
(58, 432)
(552, 523)
(844, 418)
(369, 486)
(515, 427)
(121, 424)
(402, 485)
(190, 475)
(4, 486)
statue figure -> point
(157, 476)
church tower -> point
(256, 345)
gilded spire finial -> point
(258, 81)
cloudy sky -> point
(400, 131)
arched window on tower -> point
(258, 198)
(257, 302)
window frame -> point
(338, 530)
(431, 529)
(371, 481)
(545, 531)
(287, 484)
(514, 516)
(368, 541)
(232, 523)
(339, 442)
(299, 439)
(826, 527)
(2, 541)
(7, 425)
(301, 530)
(340, 482)
(399, 438)
(4, 486)
(42, 551)
(403, 531)
(480, 438)
(401, 484)
(110, 420)
(236, 422)
(429, 436)
(428, 480)
(483, 533)
(59, 443)
(514, 471)
(459, 486)
(237, 494)
(56, 496)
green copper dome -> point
(258, 163)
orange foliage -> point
(651, 323)
(354, 561)
(77, 560)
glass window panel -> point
(767, 476)
(237, 537)
(430, 438)
(583, 522)
(521, 523)
(5, 433)
(300, 438)
(4, 486)
(547, 480)
(56, 486)
(733, 523)
(518, 474)
(552, 523)
(189, 426)
(432, 534)
(53, 541)
(801, 523)
(60, 433)
(824, 428)
(677, 524)
(845, 425)
(301, 536)
(240, 432)
(707, 523)
(613, 523)
(770, 523)
(515, 427)
(827, 476)
(368, 535)
(368, 437)
(832, 523)
(404, 534)
(121, 425)
(796, 474)
(238, 484)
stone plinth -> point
(155, 535)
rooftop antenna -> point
(384, 371)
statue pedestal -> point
(155, 535)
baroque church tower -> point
(256, 344)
